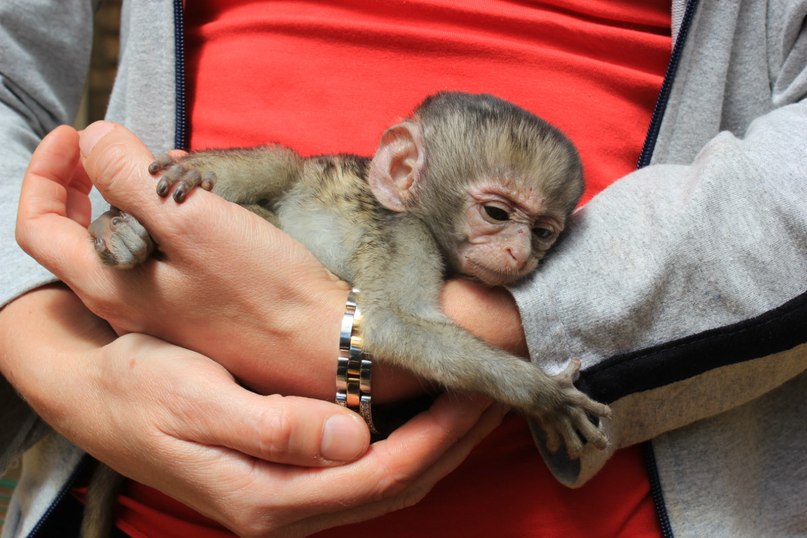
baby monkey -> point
(470, 185)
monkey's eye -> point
(543, 232)
(496, 213)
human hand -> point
(175, 420)
(223, 269)
(241, 486)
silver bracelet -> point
(354, 367)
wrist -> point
(489, 313)
(43, 335)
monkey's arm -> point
(403, 325)
(250, 176)
(255, 178)
(490, 313)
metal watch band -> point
(354, 367)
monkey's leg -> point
(250, 177)
(120, 240)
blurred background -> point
(103, 63)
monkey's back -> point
(332, 210)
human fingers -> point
(116, 161)
(198, 401)
(395, 472)
(275, 428)
(54, 206)
(118, 164)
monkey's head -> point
(494, 183)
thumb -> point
(117, 163)
(281, 429)
(54, 209)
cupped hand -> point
(228, 284)
(176, 420)
(228, 446)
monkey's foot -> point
(180, 174)
(566, 415)
(120, 240)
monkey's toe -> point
(183, 180)
(160, 163)
(120, 240)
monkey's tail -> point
(99, 511)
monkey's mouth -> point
(493, 276)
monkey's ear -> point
(397, 165)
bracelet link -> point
(354, 366)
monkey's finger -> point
(574, 446)
(570, 372)
(582, 400)
(552, 438)
(117, 162)
(161, 162)
(596, 408)
(589, 431)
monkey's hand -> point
(564, 414)
(182, 173)
(120, 240)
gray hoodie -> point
(682, 288)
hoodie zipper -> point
(181, 118)
(666, 86)
(656, 491)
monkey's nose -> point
(517, 258)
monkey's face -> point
(506, 231)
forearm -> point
(41, 335)
(39, 332)
(489, 313)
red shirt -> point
(329, 77)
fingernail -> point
(344, 438)
(92, 134)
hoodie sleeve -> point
(683, 287)
(44, 56)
